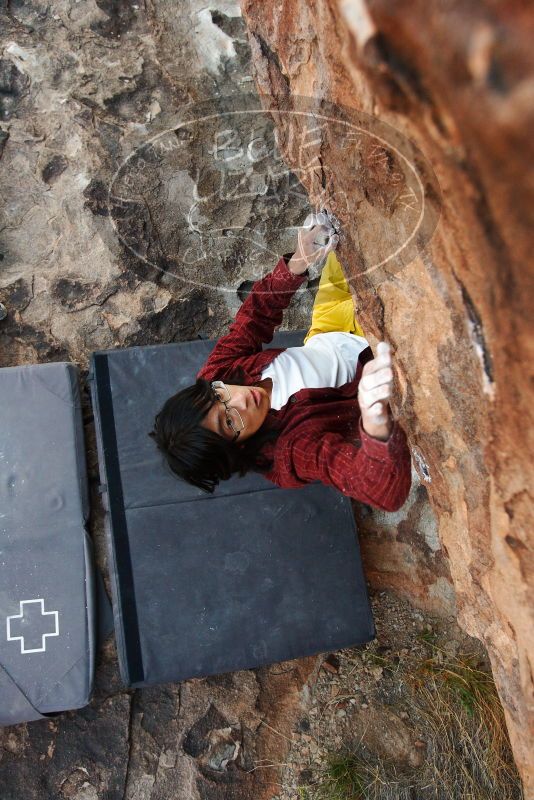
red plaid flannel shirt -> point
(321, 437)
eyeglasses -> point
(233, 418)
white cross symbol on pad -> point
(26, 621)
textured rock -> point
(458, 80)
(402, 551)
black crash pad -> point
(47, 605)
(204, 584)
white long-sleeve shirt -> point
(327, 359)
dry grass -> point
(468, 754)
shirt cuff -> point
(379, 449)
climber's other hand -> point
(374, 393)
(315, 239)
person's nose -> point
(239, 400)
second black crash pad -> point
(205, 584)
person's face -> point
(252, 414)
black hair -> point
(197, 455)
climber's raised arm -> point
(262, 311)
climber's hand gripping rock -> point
(316, 238)
(374, 393)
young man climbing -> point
(319, 411)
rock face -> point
(402, 551)
(457, 80)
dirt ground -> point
(362, 704)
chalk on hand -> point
(325, 237)
(316, 218)
(383, 350)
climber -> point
(319, 411)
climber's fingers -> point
(316, 243)
(382, 358)
(322, 235)
(307, 236)
(383, 350)
(376, 383)
(320, 230)
(382, 361)
(377, 413)
(367, 398)
(332, 243)
(371, 379)
(316, 218)
(325, 242)
(382, 367)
